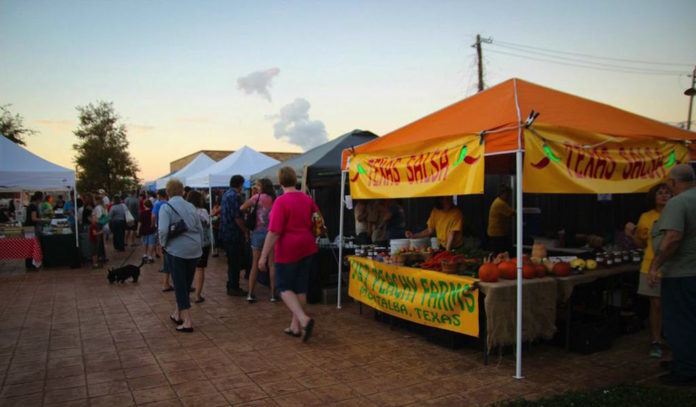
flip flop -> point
(176, 321)
(168, 289)
(307, 329)
(289, 331)
(184, 329)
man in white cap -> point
(674, 242)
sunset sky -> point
(282, 76)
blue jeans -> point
(182, 271)
(679, 316)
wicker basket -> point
(449, 267)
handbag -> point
(250, 220)
(318, 227)
(130, 220)
(177, 228)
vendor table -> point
(59, 250)
(567, 284)
(21, 249)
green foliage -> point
(102, 159)
(12, 126)
(621, 395)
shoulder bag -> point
(250, 220)
(177, 228)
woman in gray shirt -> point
(182, 251)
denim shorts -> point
(257, 239)
(293, 276)
(148, 240)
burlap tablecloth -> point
(538, 310)
(567, 284)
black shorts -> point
(203, 261)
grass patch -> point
(621, 395)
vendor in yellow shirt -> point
(499, 220)
(641, 234)
(446, 222)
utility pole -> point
(690, 92)
(477, 45)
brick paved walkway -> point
(69, 338)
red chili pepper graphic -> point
(355, 178)
(542, 163)
(470, 160)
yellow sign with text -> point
(575, 162)
(453, 166)
(426, 297)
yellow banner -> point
(578, 163)
(453, 166)
(426, 297)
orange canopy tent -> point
(502, 113)
(508, 104)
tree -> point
(102, 159)
(12, 126)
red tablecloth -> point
(21, 249)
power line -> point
(599, 68)
(635, 61)
(586, 62)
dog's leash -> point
(127, 257)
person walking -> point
(99, 211)
(117, 224)
(640, 233)
(146, 230)
(674, 242)
(133, 205)
(233, 234)
(291, 237)
(196, 199)
(182, 250)
(161, 200)
(259, 206)
(215, 217)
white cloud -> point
(293, 123)
(258, 82)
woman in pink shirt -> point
(260, 204)
(290, 235)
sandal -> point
(165, 290)
(307, 329)
(289, 331)
(176, 321)
(199, 300)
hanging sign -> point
(425, 297)
(574, 162)
(453, 166)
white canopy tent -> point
(22, 170)
(245, 162)
(200, 163)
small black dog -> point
(121, 274)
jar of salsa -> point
(618, 258)
(600, 259)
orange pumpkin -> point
(528, 271)
(488, 272)
(561, 269)
(540, 270)
(508, 270)
(525, 260)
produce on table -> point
(539, 250)
(528, 271)
(561, 269)
(488, 272)
(540, 270)
(508, 270)
(577, 264)
(590, 264)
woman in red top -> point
(290, 235)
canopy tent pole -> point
(340, 238)
(77, 232)
(210, 210)
(518, 216)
